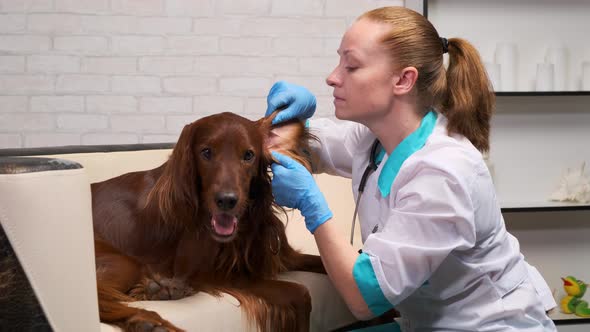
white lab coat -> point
(435, 245)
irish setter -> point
(203, 221)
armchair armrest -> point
(46, 215)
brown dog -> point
(203, 221)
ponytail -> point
(469, 100)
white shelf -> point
(533, 26)
(533, 144)
(557, 315)
(544, 205)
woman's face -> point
(364, 79)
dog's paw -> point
(167, 289)
(145, 326)
(149, 321)
(158, 288)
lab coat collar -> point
(414, 142)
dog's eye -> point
(206, 153)
(249, 155)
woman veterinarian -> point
(435, 244)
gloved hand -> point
(294, 187)
(299, 102)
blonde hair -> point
(462, 92)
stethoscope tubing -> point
(370, 169)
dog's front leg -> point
(161, 283)
(189, 255)
(305, 262)
(284, 306)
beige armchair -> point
(47, 271)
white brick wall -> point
(136, 71)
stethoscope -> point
(373, 164)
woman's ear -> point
(404, 81)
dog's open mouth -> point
(224, 225)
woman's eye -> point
(350, 69)
(206, 153)
(249, 155)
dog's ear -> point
(290, 138)
(175, 191)
(264, 127)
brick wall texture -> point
(135, 71)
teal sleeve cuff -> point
(367, 282)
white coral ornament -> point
(574, 186)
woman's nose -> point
(332, 79)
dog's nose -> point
(226, 200)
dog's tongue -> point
(224, 224)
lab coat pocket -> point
(478, 308)
(522, 308)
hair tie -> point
(445, 45)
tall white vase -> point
(558, 56)
(506, 56)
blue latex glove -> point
(294, 187)
(299, 102)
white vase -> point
(506, 56)
(558, 56)
(494, 75)
(545, 77)
(586, 76)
